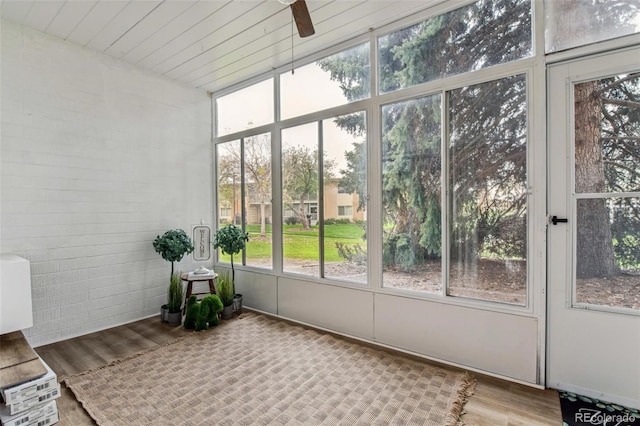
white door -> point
(594, 257)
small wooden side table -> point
(190, 277)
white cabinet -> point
(15, 294)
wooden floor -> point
(494, 403)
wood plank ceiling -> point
(207, 44)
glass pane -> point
(488, 183)
(473, 37)
(245, 109)
(411, 195)
(300, 183)
(607, 134)
(607, 154)
(336, 80)
(345, 197)
(229, 187)
(608, 252)
(573, 23)
(257, 192)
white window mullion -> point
(374, 196)
(444, 191)
(276, 201)
(374, 174)
(243, 195)
(276, 183)
(320, 212)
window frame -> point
(532, 67)
(344, 209)
(317, 118)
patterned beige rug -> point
(260, 370)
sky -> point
(309, 89)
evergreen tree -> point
(460, 41)
(487, 145)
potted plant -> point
(231, 240)
(174, 300)
(172, 246)
(226, 294)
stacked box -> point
(25, 391)
(32, 402)
(46, 414)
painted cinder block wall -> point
(97, 158)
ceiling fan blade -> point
(302, 18)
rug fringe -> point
(467, 388)
(86, 407)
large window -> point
(488, 187)
(321, 235)
(300, 192)
(345, 166)
(411, 196)
(245, 109)
(229, 180)
(312, 87)
(480, 35)
(451, 186)
(486, 245)
(244, 194)
(257, 199)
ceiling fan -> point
(301, 16)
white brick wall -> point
(98, 157)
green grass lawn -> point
(301, 244)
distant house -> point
(338, 204)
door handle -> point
(555, 220)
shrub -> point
(404, 255)
(398, 252)
(352, 253)
(291, 220)
(334, 221)
(389, 249)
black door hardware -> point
(555, 220)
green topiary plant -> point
(173, 245)
(193, 307)
(230, 240)
(202, 315)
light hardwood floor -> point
(494, 403)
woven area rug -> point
(261, 370)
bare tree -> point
(229, 178)
(301, 180)
(257, 171)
